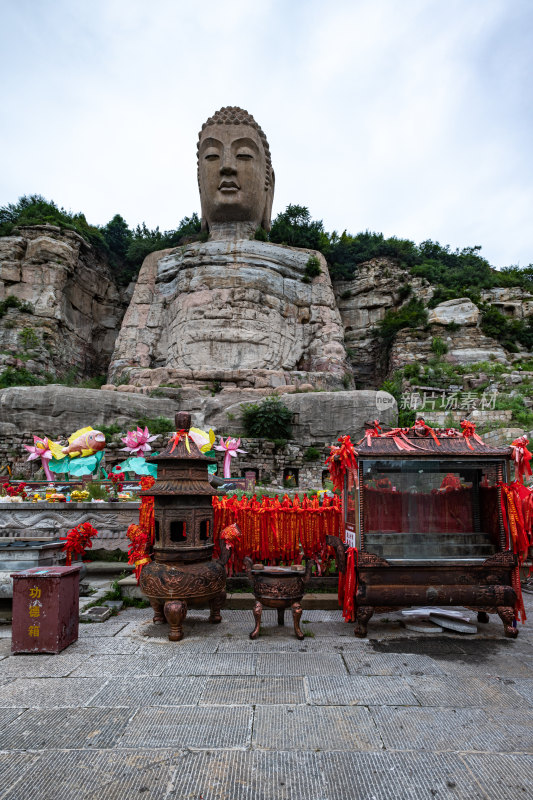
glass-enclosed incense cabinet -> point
(427, 525)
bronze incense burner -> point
(183, 572)
(280, 588)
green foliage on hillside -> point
(294, 227)
(124, 249)
(270, 419)
(411, 315)
(507, 331)
(454, 273)
(36, 210)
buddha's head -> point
(235, 172)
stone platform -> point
(123, 712)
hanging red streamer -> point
(348, 585)
(274, 530)
(521, 458)
(469, 432)
(343, 458)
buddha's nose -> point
(228, 166)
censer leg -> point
(281, 616)
(363, 615)
(482, 617)
(215, 605)
(175, 613)
(506, 614)
(257, 610)
(297, 615)
(159, 616)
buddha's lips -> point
(228, 185)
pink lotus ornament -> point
(41, 449)
(137, 442)
(230, 447)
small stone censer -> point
(278, 587)
(183, 572)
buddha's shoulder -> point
(236, 251)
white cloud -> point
(413, 118)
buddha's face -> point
(232, 170)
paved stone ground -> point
(124, 713)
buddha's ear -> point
(266, 222)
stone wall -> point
(76, 308)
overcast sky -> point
(410, 117)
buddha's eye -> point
(244, 155)
(211, 156)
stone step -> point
(420, 539)
(429, 551)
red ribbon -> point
(421, 427)
(469, 432)
(348, 585)
(177, 437)
(521, 457)
(340, 460)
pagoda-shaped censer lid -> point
(181, 467)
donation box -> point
(45, 609)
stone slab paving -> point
(326, 690)
(154, 692)
(49, 692)
(125, 713)
(523, 686)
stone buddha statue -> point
(232, 309)
(235, 175)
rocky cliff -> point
(381, 285)
(70, 308)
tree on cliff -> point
(295, 227)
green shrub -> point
(404, 292)
(111, 430)
(312, 454)
(156, 425)
(453, 326)
(406, 416)
(13, 302)
(269, 419)
(19, 377)
(412, 370)
(312, 268)
(412, 315)
(507, 331)
(261, 235)
(439, 346)
(29, 339)
(280, 444)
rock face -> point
(319, 416)
(58, 410)
(378, 285)
(461, 312)
(233, 311)
(75, 306)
